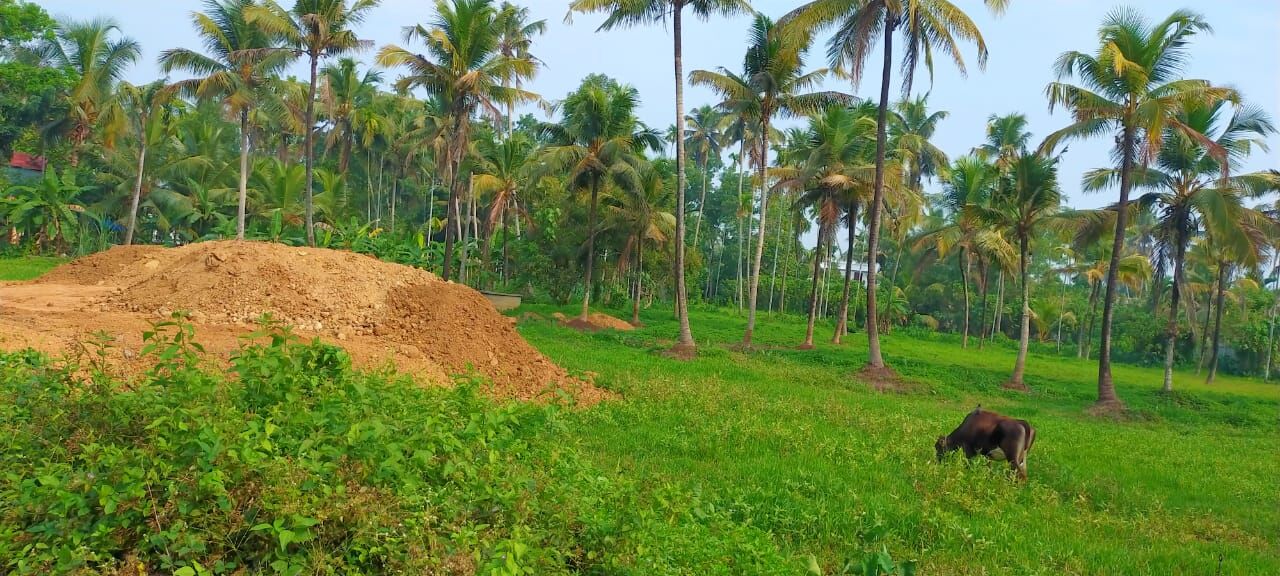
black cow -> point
(992, 435)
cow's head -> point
(942, 447)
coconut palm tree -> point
(970, 181)
(152, 155)
(599, 142)
(740, 127)
(834, 167)
(705, 138)
(1023, 207)
(1132, 89)
(315, 29)
(640, 211)
(98, 54)
(143, 111)
(501, 172)
(911, 128)
(278, 188)
(240, 60)
(1187, 191)
(925, 26)
(627, 13)
(1007, 140)
(515, 38)
(1240, 243)
(773, 84)
(466, 70)
(346, 95)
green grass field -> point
(26, 267)
(790, 442)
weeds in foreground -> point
(298, 464)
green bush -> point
(300, 465)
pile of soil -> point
(596, 321)
(376, 310)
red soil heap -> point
(378, 311)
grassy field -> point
(791, 445)
(26, 267)
(790, 442)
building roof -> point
(24, 161)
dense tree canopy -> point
(423, 159)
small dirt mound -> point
(113, 267)
(237, 282)
(374, 309)
(455, 326)
(885, 379)
(596, 322)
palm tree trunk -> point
(842, 321)
(1271, 342)
(1024, 335)
(773, 272)
(1093, 318)
(1217, 322)
(466, 241)
(1204, 332)
(897, 261)
(486, 257)
(451, 218)
(964, 280)
(431, 208)
(395, 184)
(742, 151)
(1106, 387)
(813, 294)
(368, 181)
(1171, 330)
(506, 236)
(983, 289)
(591, 250)
(635, 304)
(995, 322)
(344, 155)
(244, 173)
(310, 153)
(759, 256)
(684, 343)
(874, 358)
(137, 192)
(824, 303)
(1062, 312)
(786, 264)
(702, 204)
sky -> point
(1243, 52)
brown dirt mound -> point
(236, 282)
(885, 379)
(378, 311)
(116, 265)
(596, 321)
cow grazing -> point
(992, 435)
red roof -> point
(27, 162)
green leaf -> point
(813, 567)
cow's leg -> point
(1015, 448)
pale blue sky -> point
(1244, 52)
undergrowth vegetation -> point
(300, 465)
